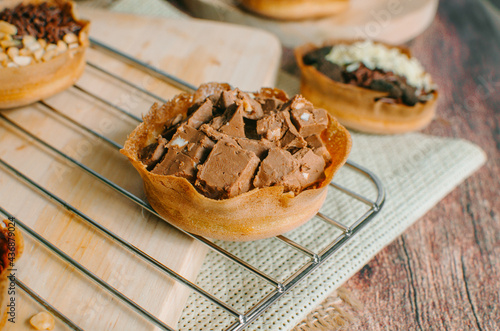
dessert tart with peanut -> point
(42, 47)
(295, 9)
(368, 86)
(11, 248)
(237, 166)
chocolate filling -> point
(232, 142)
(396, 87)
(42, 21)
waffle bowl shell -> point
(257, 214)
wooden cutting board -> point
(391, 21)
(196, 51)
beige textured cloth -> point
(417, 171)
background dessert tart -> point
(42, 50)
(228, 165)
(295, 9)
(363, 96)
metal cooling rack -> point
(242, 319)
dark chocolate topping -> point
(396, 86)
(42, 21)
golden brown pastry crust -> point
(257, 214)
(356, 107)
(24, 85)
(4, 266)
(295, 9)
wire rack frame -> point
(242, 319)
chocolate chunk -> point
(378, 74)
(316, 55)
(233, 123)
(214, 98)
(259, 147)
(227, 172)
(212, 133)
(311, 167)
(251, 108)
(331, 70)
(151, 154)
(315, 143)
(176, 163)
(387, 86)
(297, 102)
(279, 128)
(226, 99)
(191, 142)
(309, 121)
(275, 167)
(217, 122)
(291, 138)
(409, 95)
(203, 114)
(363, 76)
(270, 126)
(270, 105)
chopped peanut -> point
(8, 28)
(43, 321)
(15, 52)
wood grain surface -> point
(444, 272)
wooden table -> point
(444, 272)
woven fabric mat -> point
(417, 171)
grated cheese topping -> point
(378, 56)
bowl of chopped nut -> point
(42, 49)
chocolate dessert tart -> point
(11, 248)
(295, 9)
(237, 166)
(368, 86)
(42, 48)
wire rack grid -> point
(313, 259)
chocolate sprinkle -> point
(42, 21)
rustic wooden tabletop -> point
(444, 272)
